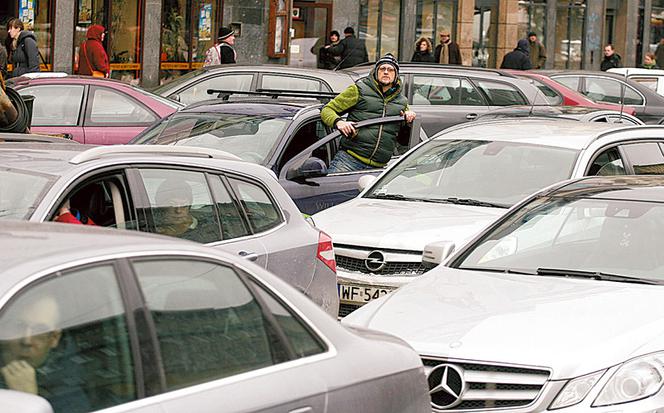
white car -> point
(652, 78)
(443, 192)
(558, 306)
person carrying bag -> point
(92, 59)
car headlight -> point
(635, 379)
(575, 390)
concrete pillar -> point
(508, 28)
(151, 52)
(253, 16)
(407, 31)
(626, 31)
(550, 43)
(592, 38)
(63, 36)
(464, 31)
(647, 10)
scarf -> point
(444, 54)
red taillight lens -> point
(325, 251)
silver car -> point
(226, 203)
(96, 319)
(557, 306)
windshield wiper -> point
(595, 275)
(500, 270)
(382, 195)
(472, 202)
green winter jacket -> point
(373, 145)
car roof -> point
(636, 71)
(649, 188)
(262, 107)
(563, 133)
(67, 79)
(571, 112)
(425, 67)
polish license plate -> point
(361, 294)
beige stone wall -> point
(508, 33)
(464, 33)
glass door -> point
(569, 34)
(485, 33)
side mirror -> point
(310, 168)
(437, 252)
(175, 97)
(19, 402)
(365, 181)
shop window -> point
(379, 27)
(434, 16)
(37, 16)
(485, 33)
(532, 18)
(569, 34)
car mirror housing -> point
(20, 402)
(437, 252)
(310, 168)
(175, 97)
(365, 181)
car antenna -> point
(532, 105)
(622, 100)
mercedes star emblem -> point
(375, 261)
(446, 386)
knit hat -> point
(225, 32)
(390, 60)
(532, 34)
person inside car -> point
(378, 94)
(70, 215)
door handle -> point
(307, 409)
(251, 256)
(471, 116)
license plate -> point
(361, 294)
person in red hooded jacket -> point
(91, 55)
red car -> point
(558, 94)
(92, 110)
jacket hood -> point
(25, 34)
(95, 31)
(524, 46)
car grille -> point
(345, 309)
(391, 268)
(484, 387)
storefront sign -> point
(175, 66)
(26, 13)
(205, 22)
(125, 66)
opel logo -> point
(375, 261)
(446, 386)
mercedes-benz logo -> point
(446, 386)
(375, 261)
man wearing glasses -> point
(447, 52)
(373, 96)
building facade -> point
(152, 41)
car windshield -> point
(165, 101)
(175, 84)
(251, 137)
(573, 236)
(21, 192)
(473, 172)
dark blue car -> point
(287, 137)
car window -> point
(233, 224)
(307, 134)
(280, 82)
(55, 105)
(501, 94)
(111, 107)
(607, 163)
(436, 90)
(232, 82)
(180, 205)
(21, 191)
(609, 90)
(649, 82)
(646, 158)
(262, 213)
(208, 323)
(550, 95)
(569, 82)
(70, 333)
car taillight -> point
(325, 251)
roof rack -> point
(443, 66)
(191, 151)
(273, 93)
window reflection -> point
(434, 16)
(379, 26)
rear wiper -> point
(595, 275)
(472, 202)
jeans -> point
(344, 162)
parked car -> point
(609, 88)
(652, 78)
(580, 113)
(135, 323)
(92, 110)
(231, 205)
(288, 137)
(446, 190)
(446, 95)
(193, 86)
(557, 306)
(557, 94)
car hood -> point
(402, 224)
(572, 326)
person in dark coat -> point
(222, 52)
(25, 53)
(326, 60)
(423, 51)
(518, 58)
(91, 55)
(447, 52)
(351, 49)
(611, 58)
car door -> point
(305, 176)
(222, 335)
(614, 91)
(162, 194)
(58, 108)
(197, 91)
(444, 101)
(113, 117)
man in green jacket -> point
(376, 95)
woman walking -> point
(92, 58)
(24, 51)
(423, 51)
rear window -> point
(21, 192)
